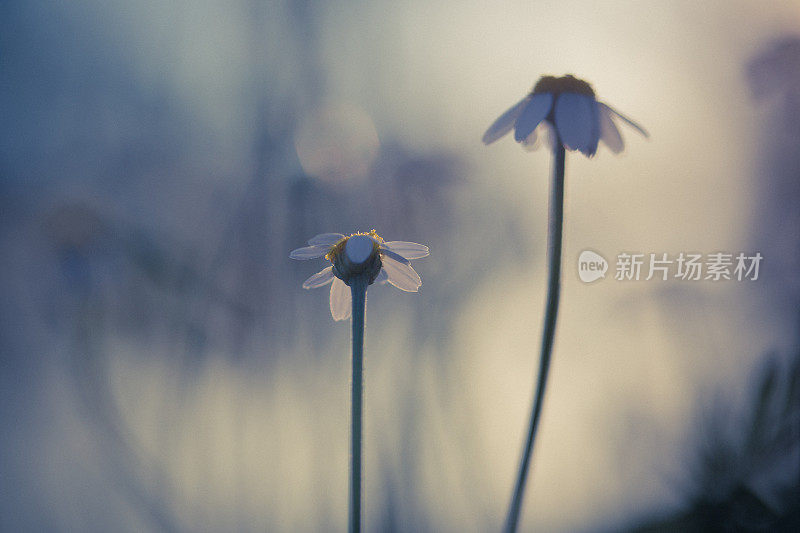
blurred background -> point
(162, 369)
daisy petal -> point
(382, 278)
(401, 275)
(386, 252)
(409, 250)
(309, 252)
(325, 239)
(341, 300)
(550, 137)
(609, 133)
(532, 142)
(536, 111)
(577, 122)
(320, 279)
(625, 119)
(541, 136)
(503, 125)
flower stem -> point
(554, 238)
(358, 289)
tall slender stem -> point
(358, 289)
(548, 329)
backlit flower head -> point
(566, 110)
(360, 254)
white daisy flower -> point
(360, 253)
(563, 109)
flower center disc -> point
(358, 248)
(564, 84)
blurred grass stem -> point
(554, 239)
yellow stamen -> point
(338, 248)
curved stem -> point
(554, 238)
(358, 290)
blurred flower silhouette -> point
(775, 71)
(360, 252)
(564, 109)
